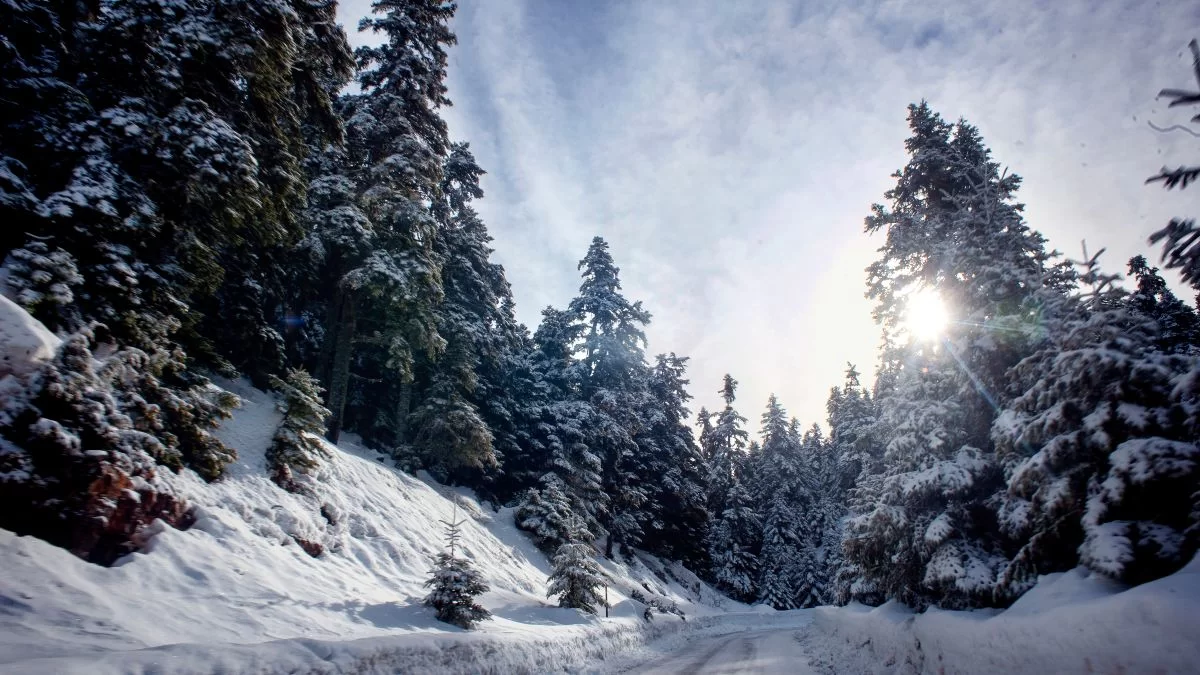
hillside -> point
(241, 576)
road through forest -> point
(773, 652)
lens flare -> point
(925, 315)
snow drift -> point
(1073, 622)
(329, 581)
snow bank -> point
(1073, 622)
(25, 344)
(241, 591)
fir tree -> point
(733, 544)
(784, 492)
(613, 379)
(677, 516)
(383, 297)
(455, 583)
(576, 576)
(545, 513)
(723, 444)
(297, 445)
(1101, 419)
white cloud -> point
(729, 152)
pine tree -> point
(1101, 419)
(546, 513)
(924, 533)
(576, 576)
(778, 563)
(677, 516)
(724, 445)
(733, 544)
(474, 317)
(784, 491)
(381, 312)
(613, 379)
(455, 583)
(1178, 324)
(297, 445)
(557, 422)
(851, 418)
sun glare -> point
(925, 315)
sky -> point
(729, 151)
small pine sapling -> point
(297, 445)
(455, 583)
(576, 576)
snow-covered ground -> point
(1072, 622)
(238, 593)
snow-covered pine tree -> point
(382, 299)
(1098, 450)
(925, 534)
(784, 493)
(735, 531)
(733, 542)
(1178, 324)
(297, 445)
(545, 512)
(823, 521)
(576, 576)
(614, 379)
(918, 540)
(475, 317)
(677, 517)
(852, 413)
(723, 445)
(455, 583)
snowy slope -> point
(240, 576)
(1074, 622)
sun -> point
(925, 316)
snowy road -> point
(755, 651)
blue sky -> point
(729, 151)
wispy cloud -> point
(729, 152)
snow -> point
(763, 641)
(24, 342)
(236, 593)
(1073, 622)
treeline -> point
(193, 191)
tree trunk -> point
(403, 407)
(339, 365)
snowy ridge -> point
(240, 591)
(1073, 622)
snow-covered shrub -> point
(78, 468)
